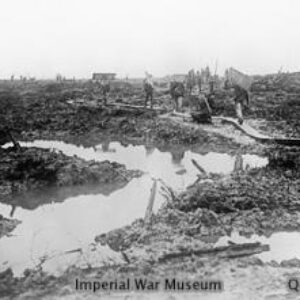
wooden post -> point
(149, 209)
(15, 143)
(198, 167)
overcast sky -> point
(77, 37)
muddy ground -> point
(38, 113)
(261, 201)
(33, 168)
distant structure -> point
(174, 77)
(179, 77)
(103, 76)
(234, 76)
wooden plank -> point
(149, 209)
(198, 166)
(135, 106)
(248, 130)
(230, 251)
(244, 128)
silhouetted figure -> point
(105, 89)
(238, 163)
(177, 91)
(241, 97)
(148, 89)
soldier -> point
(211, 84)
(240, 97)
(190, 81)
(177, 91)
(148, 88)
(105, 89)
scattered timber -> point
(230, 251)
(141, 107)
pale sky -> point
(77, 37)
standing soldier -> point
(241, 97)
(190, 81)
(105, 89)
(211, 84)
(148, 89)
(177, 91)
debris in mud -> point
(7, 225)
(36, 117)
(121, 239)
(230, 251)
(264, 188)
(251, 201)
(285, 158)
(35, 168)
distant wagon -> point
(234, 76)
(179, 77)
(103, 76)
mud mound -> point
(287, 158)
(273, 187)
(263, 189)
(34, 168)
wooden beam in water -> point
(230, 251)
(149, 209)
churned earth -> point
(197, 232)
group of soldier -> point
(200, 87)
(193, 87)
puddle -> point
(283, 245)
(58, 227)
(175, 169)
(64, 219)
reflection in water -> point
(33, 199)
(56, 220)
(177, 157)
(105, 147)
(159, 164)
(149, 150)
(238, 163)
(57, 227)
